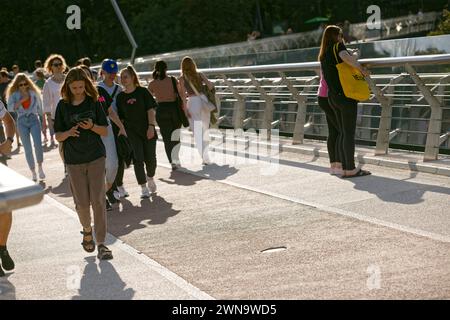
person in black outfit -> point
(136, 108)
(165, 90)
(345, 108)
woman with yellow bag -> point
(346, 86)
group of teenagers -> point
(101, 127)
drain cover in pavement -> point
(274, 249)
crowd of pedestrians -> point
(104, 121)
(101, 122)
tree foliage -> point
(444, 25)
(33, 29)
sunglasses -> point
(23, 85)
(57, 64)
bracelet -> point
(93, 125)
(151, 125)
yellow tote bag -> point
(352, 81)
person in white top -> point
(6, 217)
(109, 72)
(51, 94)
(199, 109)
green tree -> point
(444, 26)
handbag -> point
(210, 101)
(180, 111)
(352, 81)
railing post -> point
(299, 128)
(218, 104)
(239, 109)
(268, 109)
(435, 123)
(383, 136)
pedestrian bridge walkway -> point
(209, 231)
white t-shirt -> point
(2, 110)
(51, 94)
(110, 91)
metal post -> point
(299, 128)
(384, 129)
(125, 27)
(239, 110)
(435, 123)
(268, 109)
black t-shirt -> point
(329, 69)
(88, 146)
(132, 108)
(104, 99)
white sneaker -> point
(41, 174)
(151, 184)
(145, 193)
(122, 192)
(34, 176)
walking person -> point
(333, 128)
(345, 108)
(40, 82)
(24, 98)
(109, 141)
(109, 74)
(136, 108)
(166, 90)
(199, 112)
(79, 123)
(51, 94)
(4, 83)
(7, 262)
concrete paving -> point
(50, 263)
(381, 237)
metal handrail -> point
(16, 191)
(269, 84)
(312, 66)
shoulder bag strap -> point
(115, 91)
(335, 48)
(174, 85)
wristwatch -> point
(10, 139)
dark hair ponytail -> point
(160, 70)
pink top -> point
(323, 87)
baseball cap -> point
(110, 66)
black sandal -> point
(88, 246)
(360, 173)
(104, 253)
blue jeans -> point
(31, 126)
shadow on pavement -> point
(151, 211)
(7, 289)
(218, 172)
(394, 190)
(181, 178)
(102, 282)
(61, 190)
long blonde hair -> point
(132, 72)
(189, 71)
(14, 85)
(78, 74)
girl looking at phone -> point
(79, 124)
